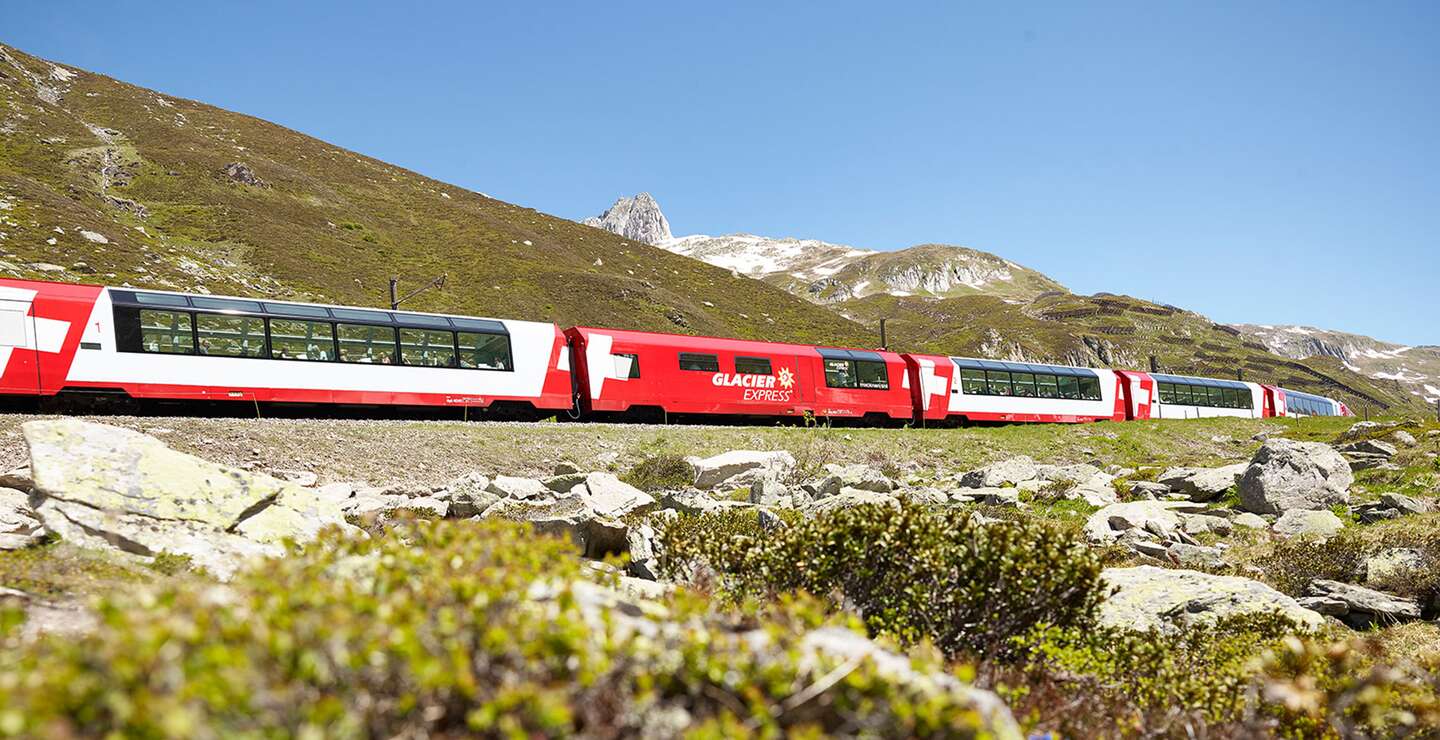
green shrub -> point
(661, 472)
(914, 573)
(440, 629)
(1290, 565)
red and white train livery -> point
(60, 338)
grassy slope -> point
(1116, 331)
(328, 224)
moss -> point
(57, 569)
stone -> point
(1370, 447)
(18, 479)
(468, 495)
(1203, 484)
(1203, 524)
(303, 478)
(1392, 563)
(995, 496)
(369, 504)
(1305, 523)
(1148, 490)
(925, 496)
(608, 496)
(1106, 525)
(1097, 490)
(1250, 521)
(1363, 607)
(693, 502)
(564, 482)
(595, 536)
(1286, 475)
(723, 469)
(861, 477)
(20, 525)
(1196, 556)
(769, 492)
(565, 467)
(241, 173)
(506, 486)
(335, 492)
(641, 542)
(1403, 503)
(637, 218)
(1403, 438)
(296, 514)
(849, 498)
(1165, 599)
(1012, 471)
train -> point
(97, 345)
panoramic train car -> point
(1185, 397)
(148, 344)
(959, 389)
(1295, 403)
(648, 374)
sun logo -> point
(787, 378)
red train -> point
(86, 341)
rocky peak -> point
(637, 218)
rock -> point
(20, 526)
(1306, 523)
(468, 495)
(1368, 461)
(1150, 598)
(849, 498)
(827, 647)
(296, 514)
(241, 173)
(371, 504)
(640, 540)
(1147, 490)
(1203, 484)
(565, 467)
(1203, 524)
(335, 492)
(506, 486)
(1392, 563)
(861, 477)
(712, 472)
(1097, 490)
(1196, 556)
(1106, 525)
(637, 218)
(594, 535)
(608, 496)
(1012, 472)
(694, 502)
(1403, 503)
(769, 492)
(564, 482)
(1286, 475)
(303, 478)
(1403, 438)
(1362, 607)
(17, 478)
(995, 496)
(925, 496)
(1248, 520)
(1370, 447)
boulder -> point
(1370, 447)
(335, 492)
(1159, 517)
(1011, 472)
(608, 496)
(296, 514)
(565, 467)
(1310, 524)
(861, 477)
(564, 482)
(468, 495)
(303, 478)
(746, 465)
(1151, 598)
(1249, 521)
(1097, 490)
(1203, 484)
(595, 536)
(769, 492)
(641, 542)
(506, 486)
(1357, 606)
(1148, 490)
(698, 502)
(1206, 524)
(827, 486)
(1195, 556)
(20, 526)
(1403, 503)
(849, 498)
(1286, 475)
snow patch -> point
(1298, 330)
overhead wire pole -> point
(396, 299)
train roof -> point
(969, 363)
(702, 342)
(1192, 380)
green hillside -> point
(1112, 330)
(101, 181)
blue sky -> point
(1274, 164)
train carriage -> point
(963, 389)
(648, 374)
(1295, 403)
(145, 344)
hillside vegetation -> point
(101, 181)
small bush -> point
(913, 573)
(1290, 565)
(661, 473)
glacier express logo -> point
(759, 387)
(787, 378)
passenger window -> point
(1166, 392)
(301, 340)
(973, 382)
(1046, 386)
(998, 382)
(427, 348)
(371, 345)
(230, 336)
(839, 374)
(1024, 384)
(872, 375)
(492, 352)
(626, 365)
(1069, 387)
(166, 332)
(704, 363)
(1090, 389)
(752, 365)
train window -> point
(998, 383)
(1090, 389)
(225, 304)
(417, 319)
(302, 340)
(1069, 386)
(292, 309)
(166, 332)
(626, 365)
(161, 299)
(230, 336)
(491, 352)
(1024, 384)
(753, 366)
(1229, 398)
(973, 382)
(1166, 392)
(1047, 386)
(356, 314)
(840, 373)
(872, 375)
(704, 363)
(1244, 398)
(427, 348)
(1217, 396)
(371, 345)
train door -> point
(19, 363)
(1268, 408)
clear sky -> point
(1265, 162)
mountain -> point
(1414, 369)
(960, 301)
(101, 181)
(830, 273)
